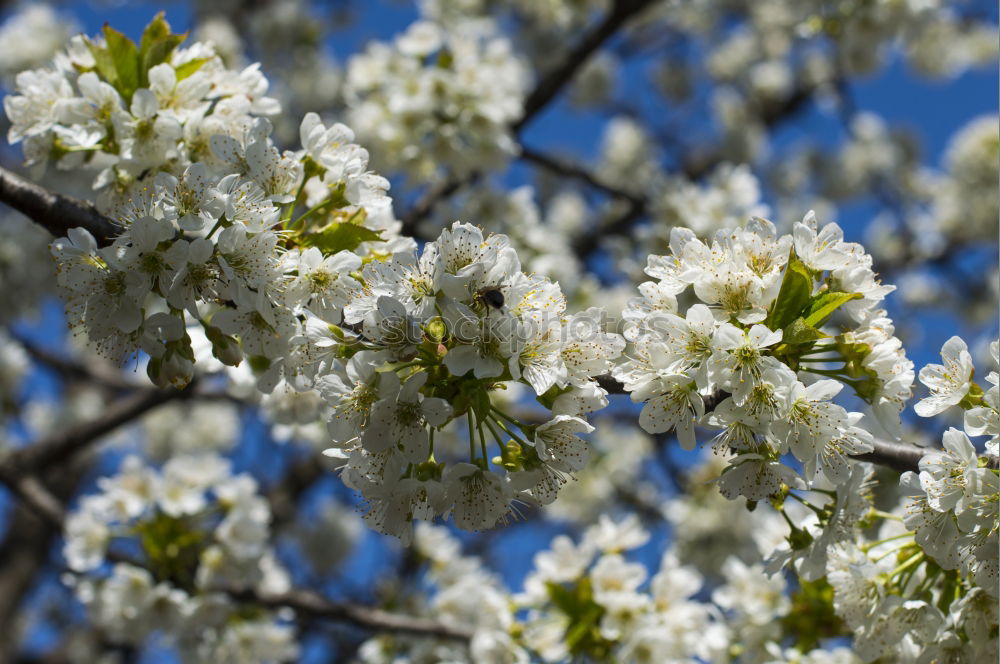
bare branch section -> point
(570, 170)
(65, 445)
(311, 604)
(544, 92)
(54, 212)
(555, 80)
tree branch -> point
(66, 367)
(545, 90)
(896, 455)
(284, 497)
(567, 169)
(557, 78)
(309, 603)
(65, 445)
(55, 212)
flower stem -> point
(510, 433)
(505, 416)
(907, 564)
(472, 437)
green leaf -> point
(104, 65)
(189, 67)
(125, 57)
(158, 42)
(793, 297)
(339, 236)
(824, 304)
(157, 29)
(799, 331)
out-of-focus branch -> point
(313, 605)
(284, 497)
(54, 212)
(552, 82)
(570, 170)
(31, 530)
(694, 166)
(28, 488)
(65, 445)
(425, 205)
(69, 368)
(544, 92)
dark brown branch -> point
(556, 79)
(567, 169)
(546, 89)
(65, 445)
(55, 212)
(311, 604)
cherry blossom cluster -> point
(588, 600)
(123, 109)
(431, 338)
(955, 504)
(437, 98)
(202, 532)
(204, 200)
(928, 584)
(754, 343)
(921, 577)
(291, 261)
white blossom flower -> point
(948, 383)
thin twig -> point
(556, 79)
(567, 169)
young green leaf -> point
(339, 237)
(793, 297)
(188, 68)
(157, 43)
(125, 57)
(824, 304)
(799, 331)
